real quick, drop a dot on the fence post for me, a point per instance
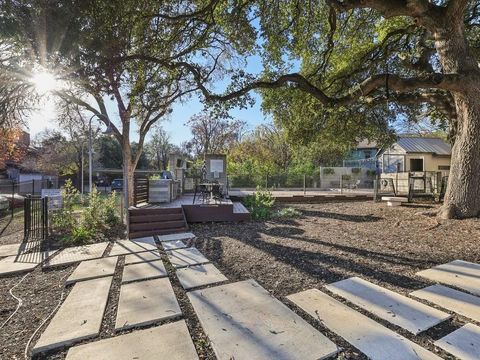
(33, 186)
(341, 183)
(375, 190)
(304, 184)
(13, 197)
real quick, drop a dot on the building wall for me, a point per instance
(430, 162)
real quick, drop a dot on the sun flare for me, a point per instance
(45, 82)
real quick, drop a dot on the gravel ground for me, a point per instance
(329, 242)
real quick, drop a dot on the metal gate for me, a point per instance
(35, 216)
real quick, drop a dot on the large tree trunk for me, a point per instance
(462, 199)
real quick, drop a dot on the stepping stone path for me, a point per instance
(186, 257)
(77, 254)
(142, 257)
(199, 275)
(92, 269)
(243, 321)
(371, 338)
(23, 263)
(146, 302)
(79, 317)
(170, 341)
(125, 247)
(463, 343)
(397, 309)
(144, 271)
(461, 274)
(172, 245)
(177, 236)
(457, 301)
(16, 249)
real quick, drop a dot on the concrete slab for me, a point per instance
(397, 309)
(170, 341)
(463, 343)
(77, 254)
(457, 301)
(199, 275)
(172, 245)
(23, 263)
(243, 321)
(145, 256)
(79, 317)
(144, 271)
(371, 338)
(93, 269)
(178, 236)
(125, 247)
(18, 248)
(186, 257)
(461, 274)
(146, 302)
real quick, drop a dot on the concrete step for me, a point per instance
(135, 234)
(154, 211)
(463, 343)
(371, 338)
(397, 309)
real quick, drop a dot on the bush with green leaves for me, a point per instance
(63, 220)
(260, 203)
(356, 171)
(328, 171)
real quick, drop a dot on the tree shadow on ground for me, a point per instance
(335, 267)
(342, 217)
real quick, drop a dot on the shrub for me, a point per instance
(356, 171)
(111, 217)
(81, 235)
(328, 171)
(346, 177)
(260, 203)
(63, 219)
(371, 173)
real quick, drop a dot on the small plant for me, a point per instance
(260, 203)
(64, 220)
(329, 171)
(288, 212)
(356, 171)
(371, 173)
(81, 235)
(346, 177)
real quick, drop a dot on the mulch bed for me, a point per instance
(334, 241)
(328, 243)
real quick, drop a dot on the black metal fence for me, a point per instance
(140, 190)
(35, 217)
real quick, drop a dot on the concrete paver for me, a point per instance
(79, 317)
(243, 321)
(373, 339)
(170, 341)
(145, 302)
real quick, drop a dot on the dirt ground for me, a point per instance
(328, 243)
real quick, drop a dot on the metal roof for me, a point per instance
(435, 146)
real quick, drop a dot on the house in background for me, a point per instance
(416, 154)
(364, 155)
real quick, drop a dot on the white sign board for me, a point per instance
(216, 165)
(55, 199)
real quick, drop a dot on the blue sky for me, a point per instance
(45, 116)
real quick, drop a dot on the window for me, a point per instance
(416, 164)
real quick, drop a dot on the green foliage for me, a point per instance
(260, 203)
(371, 173)
(99, 215)
(328, 171)
(356, 171)
(63, 220)
(346, 177)
(287, 212)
